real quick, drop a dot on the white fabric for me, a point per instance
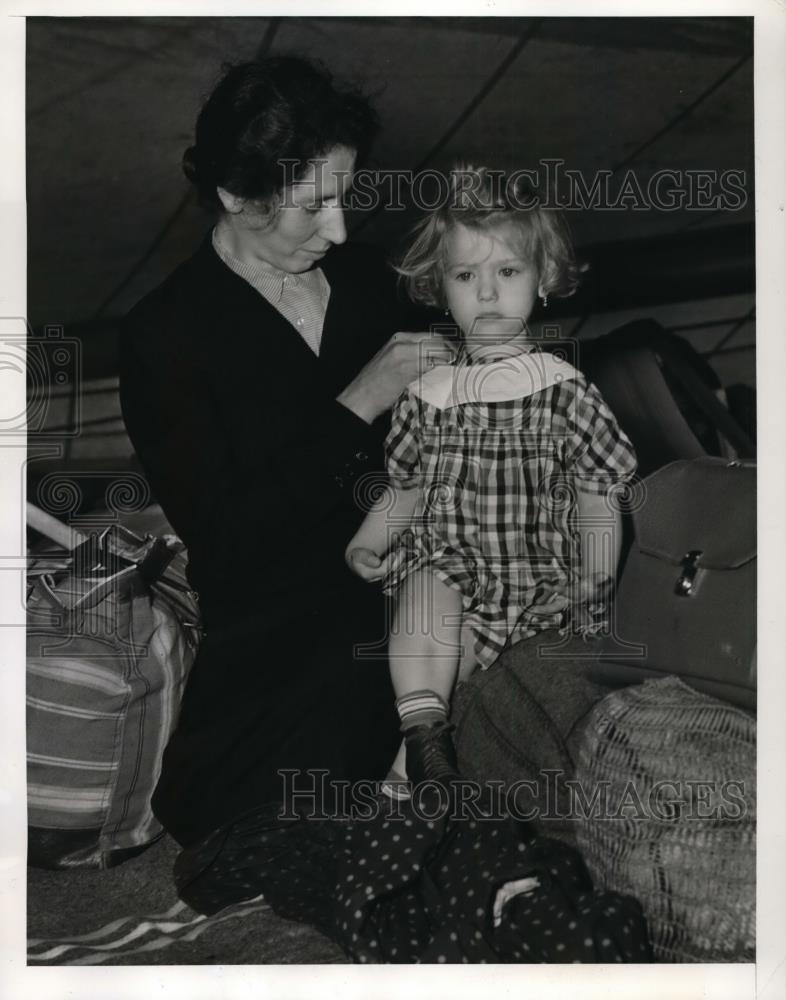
(511, 378)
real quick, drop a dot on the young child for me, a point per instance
(498, 523)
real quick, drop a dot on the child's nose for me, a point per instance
(487, 290)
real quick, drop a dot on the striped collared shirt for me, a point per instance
(301, 299)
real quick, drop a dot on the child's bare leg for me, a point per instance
(424, 661)
(424, 642)
(399, 767)
(467, 666)
(468, 661)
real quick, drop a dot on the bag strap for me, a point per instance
(56, 531)
(89, 600)
(152, 565)
(723, 421)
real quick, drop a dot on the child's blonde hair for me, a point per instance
(481, 198)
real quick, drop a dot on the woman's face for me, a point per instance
(490, 288)
(308, 222)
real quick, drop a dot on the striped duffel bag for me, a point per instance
(112, 630)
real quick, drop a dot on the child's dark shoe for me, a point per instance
(431, 755)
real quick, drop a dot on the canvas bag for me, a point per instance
(112, 630)
(686, 603)
(518, 721)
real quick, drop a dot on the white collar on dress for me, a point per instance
(515, 377)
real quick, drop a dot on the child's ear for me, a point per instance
(546, 280)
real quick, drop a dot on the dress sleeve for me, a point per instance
(599, 452)
(402, 447)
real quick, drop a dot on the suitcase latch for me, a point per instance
(685, 582)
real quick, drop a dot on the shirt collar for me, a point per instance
(270, 280)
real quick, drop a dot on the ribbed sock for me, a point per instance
(421, 708)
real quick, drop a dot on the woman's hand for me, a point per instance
(403, 358)
(367, 564)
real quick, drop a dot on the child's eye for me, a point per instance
(463, 276)
(508, 272)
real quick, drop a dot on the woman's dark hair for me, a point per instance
(265, 120)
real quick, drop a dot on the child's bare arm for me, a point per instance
(390, 515)
(600, 531)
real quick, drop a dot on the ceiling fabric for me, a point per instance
(111, 105)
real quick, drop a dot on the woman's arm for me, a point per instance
(398, 362)
(257, 482)
(253, 457)
(220, 464)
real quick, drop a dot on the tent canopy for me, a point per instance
(111, 104)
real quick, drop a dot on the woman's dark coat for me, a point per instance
(263, 474)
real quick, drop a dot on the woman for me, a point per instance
(253, 381)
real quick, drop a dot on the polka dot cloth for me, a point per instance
(399, 888)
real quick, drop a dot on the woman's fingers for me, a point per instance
(421, 351)
(398, 362)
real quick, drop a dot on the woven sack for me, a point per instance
(111, 634)
(687, 855)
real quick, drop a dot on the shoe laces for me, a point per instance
(434, 752)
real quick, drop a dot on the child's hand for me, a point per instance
(595, 589)
(586, 591)
(367, 564)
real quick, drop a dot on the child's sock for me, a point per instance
(418, 708)
(430, 754)
(421, 708)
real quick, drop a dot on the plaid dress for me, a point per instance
(498, 479)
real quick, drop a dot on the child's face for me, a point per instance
(490, 288)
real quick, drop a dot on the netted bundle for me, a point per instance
(673, 822)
